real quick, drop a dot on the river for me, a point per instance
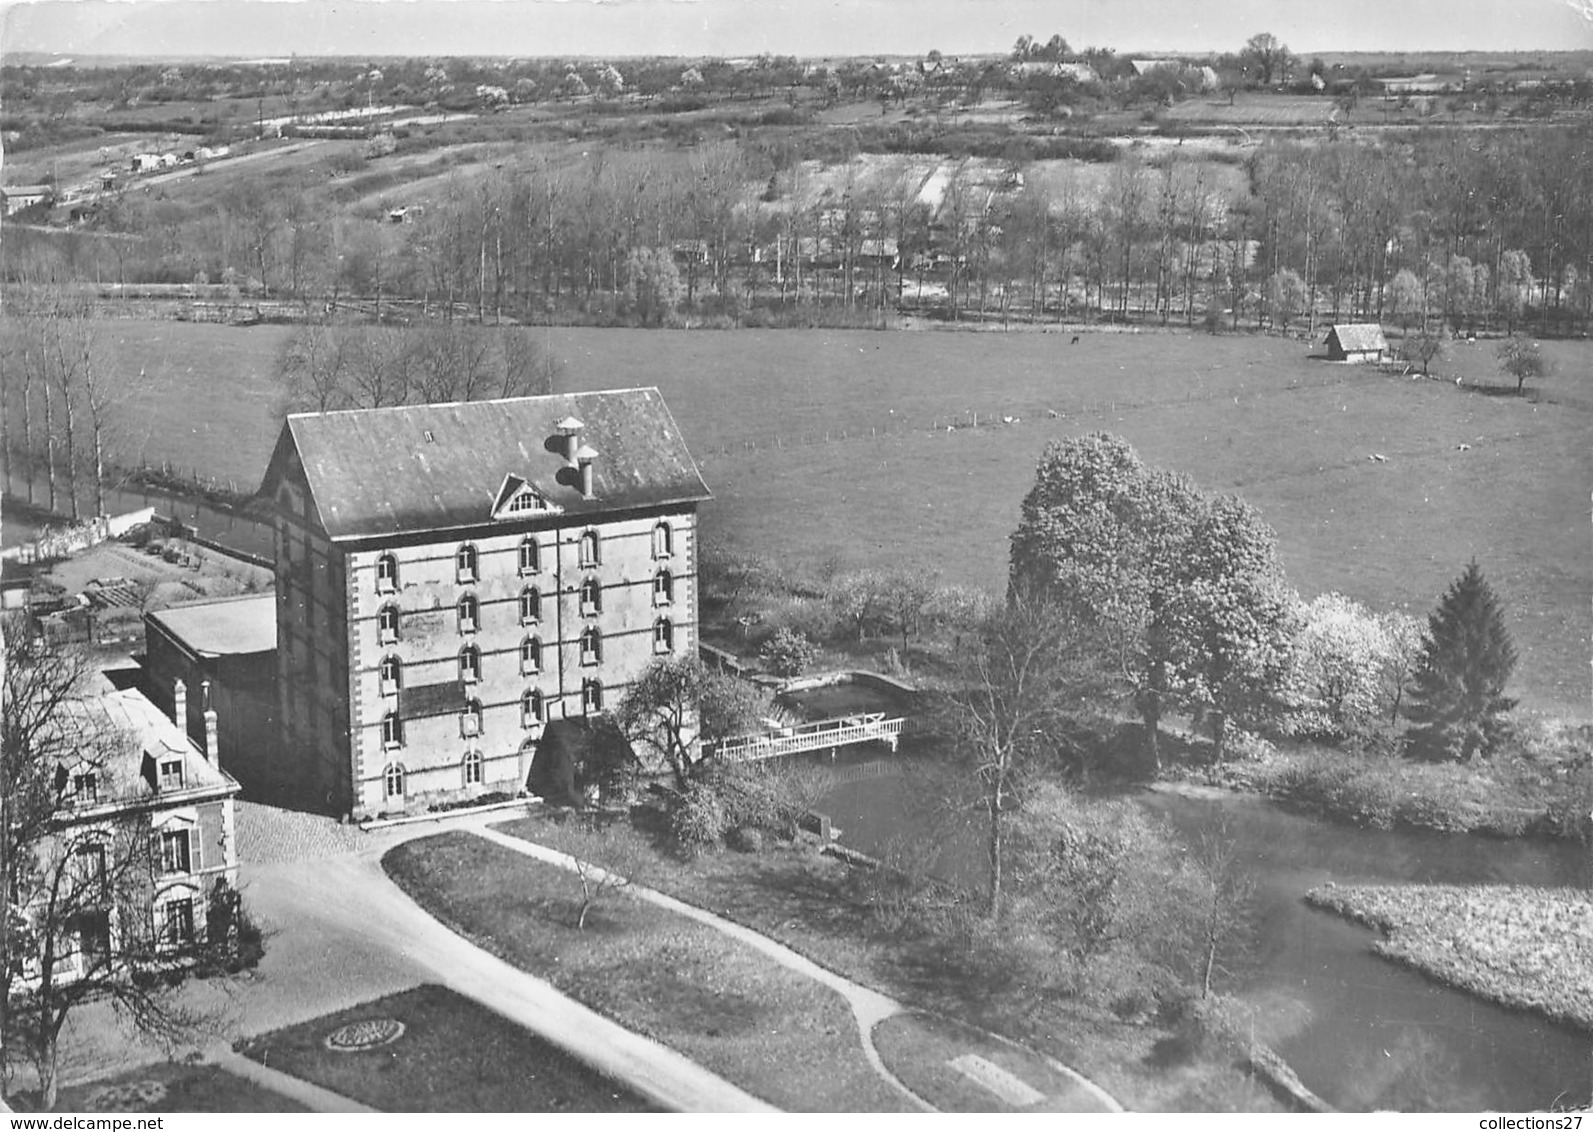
(1360, 1031)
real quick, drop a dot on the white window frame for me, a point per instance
(470, 665)
(394, 772)
(467, 563)
(591, 552)
(663, 636)
(530, 557)
(386, 573)
(468, 609)
(530, 606)
(474, 768)
(388, 619)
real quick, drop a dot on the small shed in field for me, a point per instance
(1357, 342)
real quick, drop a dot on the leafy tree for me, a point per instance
(1349, 667)
(1406, 297)
(788, 653)
(907, 596)
(1266, 57)
(652, 284)
(1522, 360)
(1423, 347)
(859, 599)
(678, 704)
(1458, 699)
(1286, 296)
(1513, 286)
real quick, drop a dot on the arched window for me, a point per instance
(663, 635)
(392, 730)
(591, 646)
(475, 767)
(531, 656)
(531, 707)
(393, 780)
(591, 696)
(470, 664)
(663, 541)
(591, 598)
(391, 674)
(386, 574)
(466, 563)
(530, 556)
(589, 548)
(469, 613)
(530, 606)
(663, 586)
(387, 624)
(470, 719)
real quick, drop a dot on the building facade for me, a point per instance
(451, 578)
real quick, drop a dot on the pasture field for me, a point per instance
(765, 412)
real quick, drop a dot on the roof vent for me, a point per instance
(584, 455)
(570, 429)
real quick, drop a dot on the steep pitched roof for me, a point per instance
(1357, 336)
(440, 467)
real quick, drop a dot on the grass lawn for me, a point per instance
(770, 1031)
(453, 1056)
(1529, 948)
(804, 899)
(172, 1087)
(1257, 415)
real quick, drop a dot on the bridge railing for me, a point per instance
(815, 736)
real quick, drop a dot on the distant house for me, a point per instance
(18, 197)
(144, 162)
(1357, 342)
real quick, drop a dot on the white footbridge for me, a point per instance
(818, 735)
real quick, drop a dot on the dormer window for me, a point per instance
(386, 574)
(530, 606)
(469, 613)
(530, 556)
(525, 501)
(589, 549)
(591, 598)
(663, 541)
(86, 788)
(466, 564)
(171, 774)
(663, 587)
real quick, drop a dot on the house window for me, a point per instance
(470, 719)
(589, 556)
(475, 768)
(469, 613)
(663, 541)
(466, 563)
(530, 556)
(171, 774)
(663, 635)
(88, 863)
(179, 922)
(663, 587)
(525, 501)
(591, 696)
(386, 574)
(530, 606)
(393, 780)
(591, 646)
(392, 730)
(391, 675)
(531, 707)
(387, 624)
(470, 664)
(531, 656)
(591, 598)
(86, 788)
(174, 851)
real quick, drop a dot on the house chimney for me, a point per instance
(211, 743)
(179, 701)
(204, 695)
(583, 458)
(570, 429)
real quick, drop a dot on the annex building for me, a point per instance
(451, 578)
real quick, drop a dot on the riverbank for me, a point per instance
(1521, 947)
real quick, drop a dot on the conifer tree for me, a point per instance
(1458, 700)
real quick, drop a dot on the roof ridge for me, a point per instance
(487, 401)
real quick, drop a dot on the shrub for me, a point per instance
(789, 653)
(745, 839)
(697, 818)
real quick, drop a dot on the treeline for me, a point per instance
(1472, 229)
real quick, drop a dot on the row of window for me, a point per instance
(467, 559)
(395, 776)
(177, 851)
(533, 711)
(390, 617)
(390, 671)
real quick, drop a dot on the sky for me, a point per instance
(262, 28)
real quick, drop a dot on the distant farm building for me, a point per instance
(18, 197)
(1357, 342)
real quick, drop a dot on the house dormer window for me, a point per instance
(470, 664)
(525, 501)
(663, 586)
(466, 564)
(591, 598)
(663, 541)
(530, 606)
(386, 574)
(171, 774)
(387, 624)
(530, 556)
(86, 788)
(469, 613)
(589, 549)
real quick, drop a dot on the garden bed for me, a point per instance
(173, 1087)
(1526, 948)
(450, 1055)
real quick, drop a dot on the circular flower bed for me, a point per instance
(369, 1034)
